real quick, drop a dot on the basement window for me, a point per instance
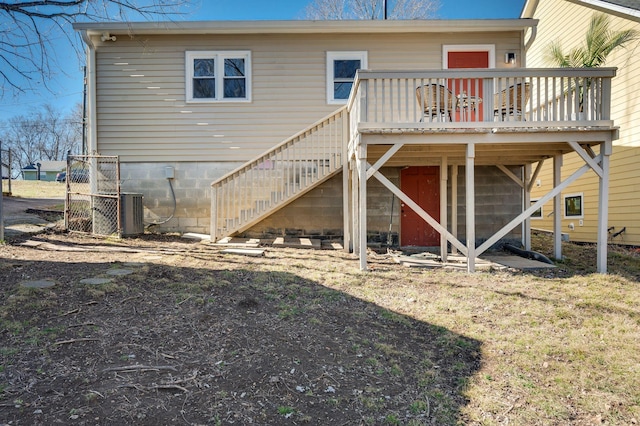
(538, 213)
(573, 206)
(341, 72)
(223, 76)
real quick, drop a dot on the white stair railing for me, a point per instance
(245, 196)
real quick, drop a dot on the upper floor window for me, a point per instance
(341, 71)
(218, 76)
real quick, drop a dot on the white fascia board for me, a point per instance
(608, 7)
(305, 27)
(529, 8)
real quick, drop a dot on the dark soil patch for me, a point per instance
(196, 337)
(47, 214)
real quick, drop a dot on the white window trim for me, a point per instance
(220, 56)
(564, 205)
(341, 55)
(491, 48)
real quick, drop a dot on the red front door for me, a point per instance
(470, 109)
(422, 185)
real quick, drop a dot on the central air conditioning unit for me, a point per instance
(105, 209)
(132, 215)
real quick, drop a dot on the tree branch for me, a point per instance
(31, 27)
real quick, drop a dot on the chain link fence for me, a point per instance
(93, 203)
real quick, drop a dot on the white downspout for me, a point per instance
(92, 142)
(532, 38)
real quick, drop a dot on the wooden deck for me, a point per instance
(563, 111)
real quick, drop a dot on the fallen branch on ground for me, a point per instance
(153, 387)
(138, 367)
(83, 339)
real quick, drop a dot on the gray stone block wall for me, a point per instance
(191, 186)
(498, 200)
(318, 213)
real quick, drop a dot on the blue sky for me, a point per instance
(292, 9)
(66, 88)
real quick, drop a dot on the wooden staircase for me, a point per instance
(257, 189)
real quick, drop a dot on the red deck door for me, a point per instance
(422, 185)
(470, 59)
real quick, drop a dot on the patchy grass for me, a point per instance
(35, 189)
(303, 337)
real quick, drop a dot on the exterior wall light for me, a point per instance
(510, 58)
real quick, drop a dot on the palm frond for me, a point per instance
(600, 41)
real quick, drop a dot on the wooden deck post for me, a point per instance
(355, 225)
(213, 226)
(346, 232)
(557, 208)
(603, 207)
(444, 172)
(526, 202)
(454, 204)
(362, 203)
(471, 207)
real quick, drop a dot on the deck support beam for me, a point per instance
(526, 202)
(346, 176)
(444, 172)
(603, 206)
(535, 206)
(535, 175)
(362, 203)
(346, 208)
(454, 204)
(363, 170)
(213, 226)
(470, 206)
(557, 208)
(355, 227)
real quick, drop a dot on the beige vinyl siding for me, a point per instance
(624, 188)
(145, 117)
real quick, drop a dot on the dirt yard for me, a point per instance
(161, 330)
(185, 335)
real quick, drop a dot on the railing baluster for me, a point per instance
(498, 100)
(523, 98)
(475, 111)
(286, 188)
(374, 98)
(540, 89)
(296, 165)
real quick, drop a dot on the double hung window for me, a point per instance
(341, 72)
(218, 76)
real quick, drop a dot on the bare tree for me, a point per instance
(371, 9)
(42, 135)
(32, 30)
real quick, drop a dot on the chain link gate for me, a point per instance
(93, 203)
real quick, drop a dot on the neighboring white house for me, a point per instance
(439, 117)
(580, 200)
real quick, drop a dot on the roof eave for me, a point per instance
(529, 9)
(612, 8)
(304, 27)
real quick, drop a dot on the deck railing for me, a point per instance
(412, 101)
(480, 98)
(246, 195)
